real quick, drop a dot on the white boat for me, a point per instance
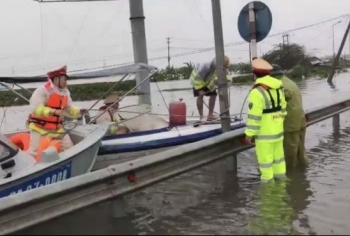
(120, 148)
(21, 172)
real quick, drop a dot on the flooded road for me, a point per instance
(212, 201)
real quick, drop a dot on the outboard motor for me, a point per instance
(84, 119)
(70, 123)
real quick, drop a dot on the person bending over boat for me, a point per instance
(294, 123)
(48, 104)
(266, 113)
(111, 115)
(203, 80)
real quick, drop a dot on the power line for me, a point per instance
(194, 40)
(80, 28)
(213, 48)
(210, 48)
(231, 44)
(52, 65)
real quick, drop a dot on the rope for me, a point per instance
(126, 94)
(42, 37)
(220, 114)
(228, 107)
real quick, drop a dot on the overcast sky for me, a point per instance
(37, 37)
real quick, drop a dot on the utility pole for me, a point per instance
(349, 46)
(250, 54)
(219, 55)
(231, 161)
(285, 39)
(137, 20)
(335, 61)
(333, 53)
(168, 42)
(333, 38)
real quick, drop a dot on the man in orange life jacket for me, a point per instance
(48, 104)
(111, 115)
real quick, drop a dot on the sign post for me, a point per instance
(254, 24)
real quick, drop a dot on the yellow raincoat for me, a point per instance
(265, 124)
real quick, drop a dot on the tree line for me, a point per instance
(292, 58)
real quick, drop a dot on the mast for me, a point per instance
(137, 20)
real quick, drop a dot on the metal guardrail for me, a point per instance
(27, 209)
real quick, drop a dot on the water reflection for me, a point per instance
(280, 207)
(299, 190)
(275, 214)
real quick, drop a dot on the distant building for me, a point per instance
(315, 61)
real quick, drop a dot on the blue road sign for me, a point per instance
(263, 21)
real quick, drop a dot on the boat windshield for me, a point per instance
(4, 152)
(7, 143)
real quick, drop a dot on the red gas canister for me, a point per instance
(177, 113)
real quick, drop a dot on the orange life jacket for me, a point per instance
(55, 101)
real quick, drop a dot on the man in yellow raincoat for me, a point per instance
(294, 123)
(111, 115)
(49, 103)
(266, 113)
(203, 80)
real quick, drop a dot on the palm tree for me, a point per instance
(190, 65)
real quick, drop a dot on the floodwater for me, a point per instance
(212, 201)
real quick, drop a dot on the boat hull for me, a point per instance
(128, 147)
(76, 161)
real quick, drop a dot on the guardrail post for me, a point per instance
(118, 207)
(231, 163)
(336, 121)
